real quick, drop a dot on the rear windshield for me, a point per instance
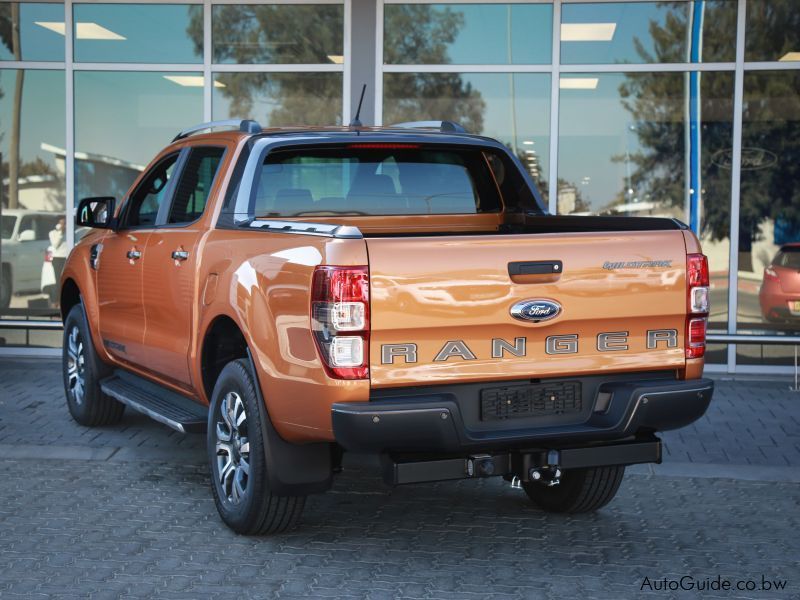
(375, 179)
(788, 257)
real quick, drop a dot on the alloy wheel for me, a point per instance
(76, 365)
(233, 448)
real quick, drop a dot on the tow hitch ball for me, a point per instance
(549, 474)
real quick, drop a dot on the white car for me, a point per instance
(24, 241)
(49, 284)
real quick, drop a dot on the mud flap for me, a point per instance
(292, 469)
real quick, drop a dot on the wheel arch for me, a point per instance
(222, 342)
(69, 296)
(293, 469)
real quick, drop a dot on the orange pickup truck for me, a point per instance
(297, 293)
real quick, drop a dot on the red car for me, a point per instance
(780, 290)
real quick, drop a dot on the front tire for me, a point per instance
(236, 451)
(580, 490)
(83, 371)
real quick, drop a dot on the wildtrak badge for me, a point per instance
(611, 341)
(637, 264)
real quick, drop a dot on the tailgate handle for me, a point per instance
(535, 267)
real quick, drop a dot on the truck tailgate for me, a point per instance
(449, 297)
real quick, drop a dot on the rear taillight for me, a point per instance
(340, 320)
(48, 255)
(697, 304)
(770, 274)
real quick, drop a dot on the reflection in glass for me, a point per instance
(31, 31)
(279, 99)
(772, 31)
(513, 108)
(631, 154)
(467, 33)
(122, 119)
(648, 32)
(32, 141)
(278, 33)
(154, 33)
(769, 215)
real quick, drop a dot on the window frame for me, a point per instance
(162, 218)
(162, 221)
(125, 212)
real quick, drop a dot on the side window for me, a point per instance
(46, 224)
(194, 185)
(146, 200)
(26, 223)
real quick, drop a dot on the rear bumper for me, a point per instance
(445, 419)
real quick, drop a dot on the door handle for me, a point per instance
(180, 254)
(134, 254)
(535, 271)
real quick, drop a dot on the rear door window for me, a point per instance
(375, 179)
(194, 185)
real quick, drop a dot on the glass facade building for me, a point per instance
(683, 108)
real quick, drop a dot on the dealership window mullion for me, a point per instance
(736, 167)
(69, 101)
(555, 94)
(208, 83)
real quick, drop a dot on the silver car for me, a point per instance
(24, 241)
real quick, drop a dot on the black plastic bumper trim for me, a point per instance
(433, 422)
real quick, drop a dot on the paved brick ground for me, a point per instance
(755, 422)
(90, 528)
(134, 517)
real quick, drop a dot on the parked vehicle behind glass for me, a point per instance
(25, 237)
(780, 289)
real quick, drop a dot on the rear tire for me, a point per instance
(580, 490)
(83, 371)
(236, 452)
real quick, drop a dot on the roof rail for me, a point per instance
(443, 126)
(245, 125)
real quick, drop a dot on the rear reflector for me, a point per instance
(696, 338)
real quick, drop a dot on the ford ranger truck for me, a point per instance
(297, 293)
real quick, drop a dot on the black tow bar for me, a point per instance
(541, 465)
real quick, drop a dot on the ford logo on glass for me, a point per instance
(535, 310)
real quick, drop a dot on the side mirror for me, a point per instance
(28, 235)
(95, 212)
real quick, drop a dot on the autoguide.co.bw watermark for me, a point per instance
(715, 584)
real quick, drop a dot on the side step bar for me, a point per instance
(398, 470)
(158, 403)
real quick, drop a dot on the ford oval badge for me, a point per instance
(535, 310)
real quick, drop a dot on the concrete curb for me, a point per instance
(720, 471)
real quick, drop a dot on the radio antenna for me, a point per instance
(356, 122)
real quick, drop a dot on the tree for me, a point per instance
(771, 113)
(420, 34)
(10, 38)
(313, 34)
(278, 34)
